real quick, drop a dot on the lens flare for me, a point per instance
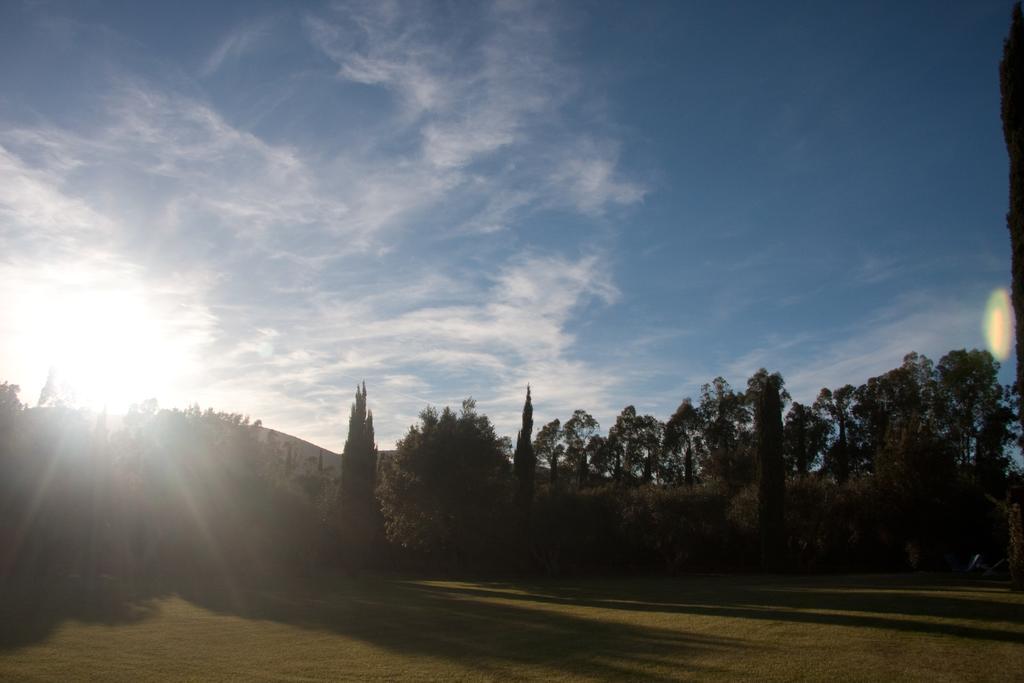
(999, 324)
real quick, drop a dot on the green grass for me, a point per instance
(876, 628)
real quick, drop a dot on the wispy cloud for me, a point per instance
(829, 358)
(590, 180)
(235, 44)
(306, 271)
(515, 331)
(35, 213)
(469, 91)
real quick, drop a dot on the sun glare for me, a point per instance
(999, 324)
(104, 342)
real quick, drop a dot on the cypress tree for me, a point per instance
(771, 472)
(1011, 86)
(359, 507)
(524, 461)
(1011, 71)
(1015, 511)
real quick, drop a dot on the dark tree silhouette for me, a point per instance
(725, 427)
(649, 435)
(524, 460)
(682, 433)
(724, 414)
(886, 403)
(796, 435)
(577, 432)
(622, 442)
(970, 398)
(548, 446)
(1011, 82)
(766, 392)
(1015, 511)
(446, 488)
(359, 509)
(836, 406)
(806, 434)
(599, 455)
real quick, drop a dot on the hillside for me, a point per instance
(300, 448)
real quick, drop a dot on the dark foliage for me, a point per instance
(174, 492)
(901, 472)
(446, 493)
(1011, 86)
(766, 392)
(1015, 514)
(682, 436)
(524, 460)
(549, 448)
(361, 521)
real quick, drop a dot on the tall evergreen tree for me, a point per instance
(1011, 85)
(770, 467)
(359, 509)
(524, 460)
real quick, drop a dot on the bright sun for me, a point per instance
(102, 337)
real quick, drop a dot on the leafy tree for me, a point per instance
(889, 402)
(682, 435)
(547, 445)
(766, 393)
(993, 464)
(524, 461)
(445, 488)
(970, 398)
(725, 418)
(649, 436)
(10, 409)
(622, 441)
(638, 442)
(724, 414)
(577, 433)
(916, 478)
(599, 456)
(9, 401)
(806, 435)
(836, 407)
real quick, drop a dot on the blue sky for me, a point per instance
(256, 205)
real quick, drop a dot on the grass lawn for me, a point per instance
(875, 628)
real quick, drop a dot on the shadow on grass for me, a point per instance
(921, 604)
(583, 628)
(405, 617)
(31, 610)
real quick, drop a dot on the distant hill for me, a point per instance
(303, 450)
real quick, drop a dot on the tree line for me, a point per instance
(906, 470)
(903, 471)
